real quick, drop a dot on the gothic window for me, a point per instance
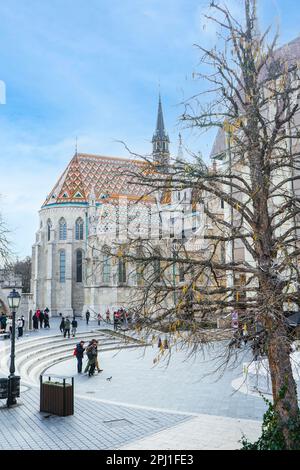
(62, 266)
(48, 230)
(62, 229)
(79, 266)
(122, 271)
(79, 229)
(106, 269)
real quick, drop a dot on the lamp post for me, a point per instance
(13, 381)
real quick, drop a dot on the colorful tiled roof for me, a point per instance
(106, 177)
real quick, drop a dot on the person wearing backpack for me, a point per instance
(78, 352)
(67, 327)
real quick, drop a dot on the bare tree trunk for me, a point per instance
(283, 385)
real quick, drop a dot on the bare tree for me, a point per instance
(256, 109)
(23, 268)
(5, 250)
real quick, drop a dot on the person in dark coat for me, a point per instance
(74, 327)
(91, 352)
(87, 317)
(62, 324)
(67, 328)
(3, 322)
(46, 320)
(79, 355)
(41, 319)
(35, 322)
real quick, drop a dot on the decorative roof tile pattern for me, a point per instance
(106, 177)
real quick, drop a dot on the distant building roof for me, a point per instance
(105, 178)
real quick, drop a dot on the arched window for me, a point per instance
(122, 271)
(79, 229)
(79, 265)
(106, 269)
(62, 229)
(62, 266)
(49, 225)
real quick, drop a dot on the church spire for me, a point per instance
(160, 139)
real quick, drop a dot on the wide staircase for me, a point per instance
(35, 356)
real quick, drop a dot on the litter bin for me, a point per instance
(15, 386)
(57, 395)
(3, 388)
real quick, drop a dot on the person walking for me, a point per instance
(35, 322)
(108, 316)
(3, 322)
(46, 320)
(116, 321)
(38, 313)
(62, 324)
(91, 352)
(245, 333)
(41, 318)
(96, 342)
(20, 327)
(74, 327)
(67, 327)
(87, 316)
(23, 321)
(99, 318)
(79, 350)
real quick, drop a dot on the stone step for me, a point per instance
(34, 348)
(33, 373)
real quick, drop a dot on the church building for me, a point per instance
(86, 210)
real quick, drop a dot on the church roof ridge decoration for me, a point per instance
(104, 174)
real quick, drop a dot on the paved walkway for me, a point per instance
(202, 432)
(181, 406)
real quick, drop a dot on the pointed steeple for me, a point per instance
(160, 139)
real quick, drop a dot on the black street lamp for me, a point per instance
(13, 381)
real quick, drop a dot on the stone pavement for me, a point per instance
(200, 433)
(94, 425)
(181, 406)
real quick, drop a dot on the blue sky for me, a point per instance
(91, 68)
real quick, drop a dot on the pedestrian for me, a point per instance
(78, 352)
(38, 313)
(62, 324)
(67, 327)
(3, 322)
(116, 321)
(20, 327)
(245, 334)
(9, 324)
(23, 321)
(99, 318)
(97, 360)
(46, 320)
(91, 353)
(41, 318)
(107, 316)
(35, 322)
(74, 327)
(87, 316)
